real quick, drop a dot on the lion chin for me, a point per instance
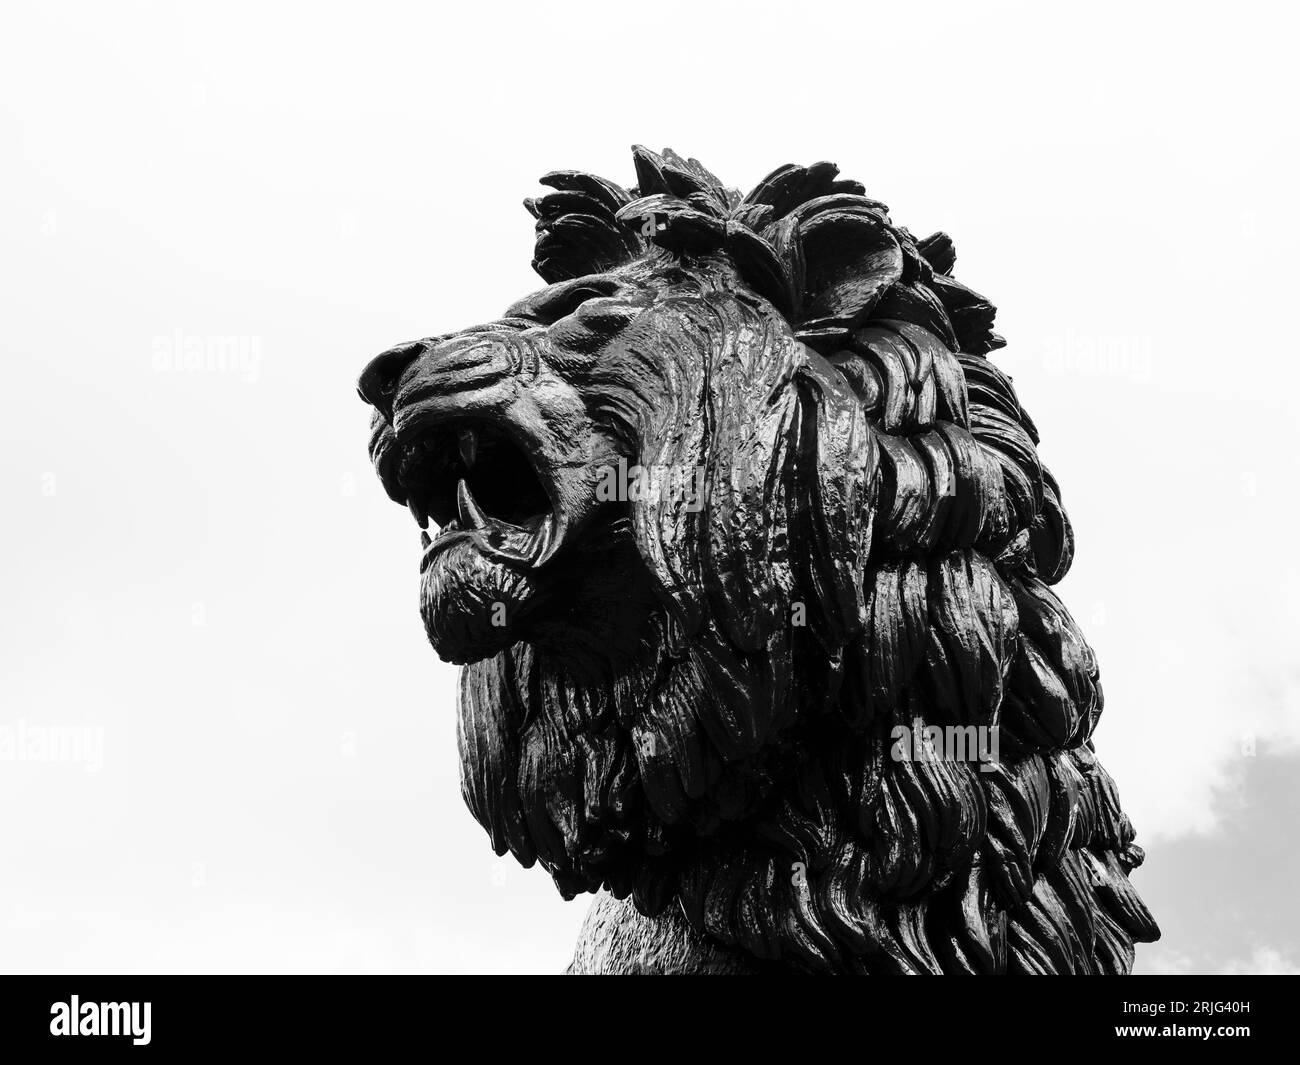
(470, 604)
(716, 523)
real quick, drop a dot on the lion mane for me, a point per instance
(700, 719)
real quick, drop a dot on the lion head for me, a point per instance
(725, 513)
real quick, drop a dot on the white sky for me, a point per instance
(278, 784)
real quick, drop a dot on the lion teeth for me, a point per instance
(417, 514)
(470, 515)
(468, 439)
(543, 544)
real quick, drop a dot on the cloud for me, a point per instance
(1225, 898)
(1264, 960)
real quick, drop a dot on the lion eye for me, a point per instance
(607, 316)
(591, 326)
(560, 301)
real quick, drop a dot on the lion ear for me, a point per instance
(841, 256)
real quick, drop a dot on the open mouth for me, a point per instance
(473, 482)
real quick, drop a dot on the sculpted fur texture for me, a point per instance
(726, 511)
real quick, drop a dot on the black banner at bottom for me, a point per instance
(163, 1014)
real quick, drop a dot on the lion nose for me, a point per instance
(377, 384)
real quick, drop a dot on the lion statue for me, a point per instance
(739, 536)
